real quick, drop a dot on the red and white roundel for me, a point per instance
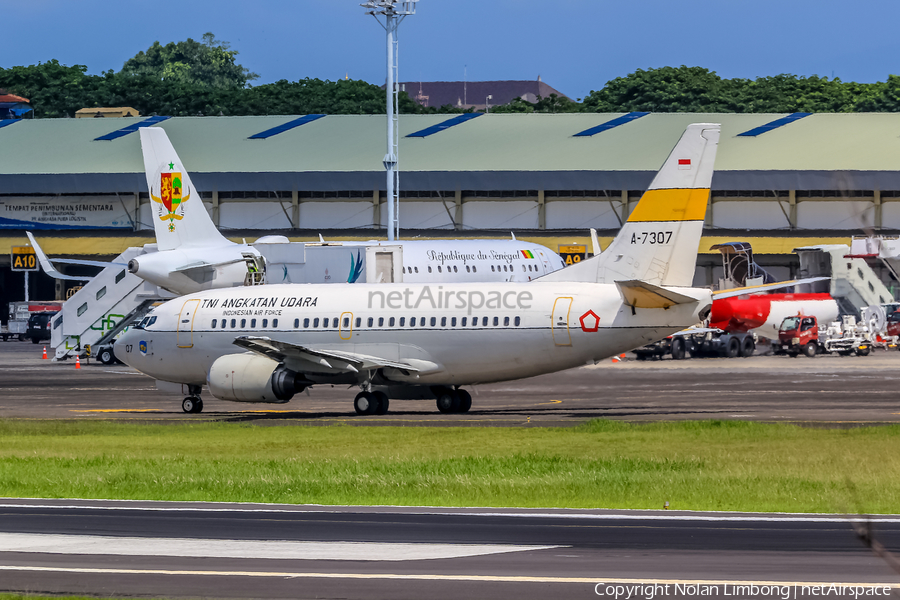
(589, 321)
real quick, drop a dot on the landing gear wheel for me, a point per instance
(465, 401)
(678, 352)
(733, 348)
(106, 356)
(448, 402)
(383, 403)
(365, 403)
(748, 347)
(810, 349)
(192, 404)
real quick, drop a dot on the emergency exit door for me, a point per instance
(560, 317)
(185, 331)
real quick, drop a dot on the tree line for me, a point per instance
(203, 78)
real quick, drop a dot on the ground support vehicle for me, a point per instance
(846, 337)
(38, 329)
(801, 335)
(701, 343)
(20, 313)
(798, 335)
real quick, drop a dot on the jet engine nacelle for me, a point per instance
(252, 378)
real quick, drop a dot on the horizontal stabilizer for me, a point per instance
(329, 361)
(204, 266)
(755, 289)
(640, 294)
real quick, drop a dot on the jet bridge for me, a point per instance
(105, 306)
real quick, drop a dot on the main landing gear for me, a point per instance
(192, 404)
(371, 403)
(454, 401)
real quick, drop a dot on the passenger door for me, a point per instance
(184, 335)
(560, 321)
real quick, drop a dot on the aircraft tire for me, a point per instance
(810, 349)
(192, 404)
(106, 356)
(448, 402)
(383, 403)
(465, 401)
(678, 352)
(365, 403)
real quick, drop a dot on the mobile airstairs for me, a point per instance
(853, 284)
(90, 320)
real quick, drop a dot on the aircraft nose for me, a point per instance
(124, 347)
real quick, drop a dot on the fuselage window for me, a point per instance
(243, 323)
(505, 269)
(381, 321)
(233, 323)
(474, 321)
(443, 321)
(523, 267)
(455, 269)
(468, 269)
(296, 323)
(484, 321)
(358, 322)
(316, 322)
(474, 269)
(306, 323)
(274, 322)
(334, 322)
(429, 269)
(253, 323)
(412, 321)
(439, 268)
(417, 269)
(518, 321)
(453, 322)
(371, 321)
(496, 321)
(265, 323)
(391, 322)
(492, 268)
(462, 322)
(214, 324)
(506, 321)
(346, 322)
(224, 323)
(402, 321)
(433, 321)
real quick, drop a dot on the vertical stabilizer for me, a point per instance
(179, 217)
(659, 242)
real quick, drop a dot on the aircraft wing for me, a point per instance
(753, 289)
(640, 294)
(328, 361)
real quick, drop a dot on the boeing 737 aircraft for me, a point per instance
(265, 344)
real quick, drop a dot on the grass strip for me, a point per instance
(710, 465)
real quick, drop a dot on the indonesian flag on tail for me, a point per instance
(684, 164)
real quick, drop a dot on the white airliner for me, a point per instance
(265, 344)
(194, 256)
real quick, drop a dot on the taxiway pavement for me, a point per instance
(825, 390)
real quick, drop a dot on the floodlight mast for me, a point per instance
(393, 11)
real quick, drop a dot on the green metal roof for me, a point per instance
(496, 151)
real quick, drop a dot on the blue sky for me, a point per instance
(574, 45)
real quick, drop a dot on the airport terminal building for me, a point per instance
(781, 181)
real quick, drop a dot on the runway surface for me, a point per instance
(825, 390)
(155, 549)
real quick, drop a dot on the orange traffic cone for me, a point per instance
(45, 353)
(77, 363)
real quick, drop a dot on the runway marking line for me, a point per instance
(633, 516)
(437, 577)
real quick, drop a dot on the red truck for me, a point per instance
(798, 335)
